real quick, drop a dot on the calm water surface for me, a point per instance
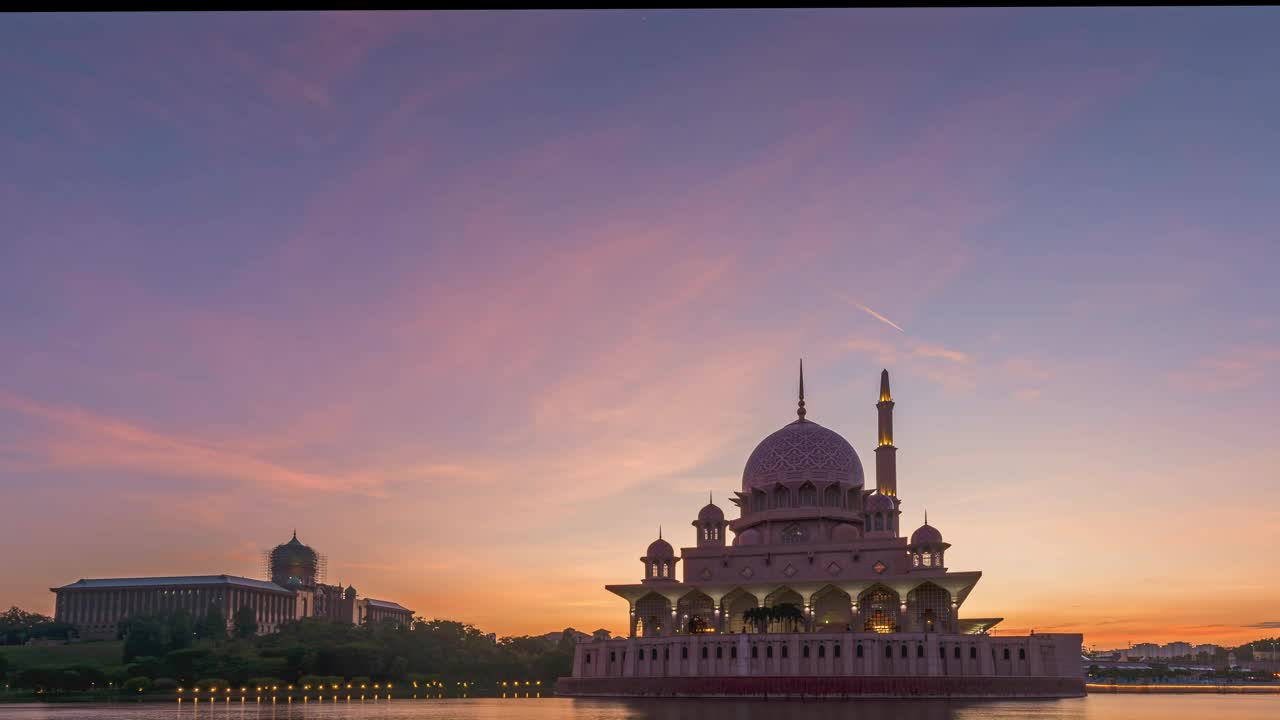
(1096, 707)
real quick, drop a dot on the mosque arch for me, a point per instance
(831, 496)
(759, 500)
(832, 609)
(734, 605)
(808, 495)
(696, 612)
(929, 608)
(878, 608)
(782, 497)
(653, 615)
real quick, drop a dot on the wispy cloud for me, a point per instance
(1267, 625)
(83, 439)
(929, 350)
(880, 317)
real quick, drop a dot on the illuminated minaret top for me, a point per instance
(886, 462)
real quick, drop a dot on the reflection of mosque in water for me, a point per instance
(817, 582)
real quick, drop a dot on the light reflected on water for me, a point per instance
(1095, 707)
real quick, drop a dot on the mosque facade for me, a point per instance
(814, 589)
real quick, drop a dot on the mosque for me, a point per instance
(295, 589)
(819, 593)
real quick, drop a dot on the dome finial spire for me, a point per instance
(295, 533)
(800, 407)
(926, 516)
(659, 532)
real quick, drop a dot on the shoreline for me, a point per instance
(1177, 688)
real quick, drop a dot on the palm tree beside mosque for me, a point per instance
(784, 617)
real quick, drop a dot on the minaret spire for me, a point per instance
(800, 407)
(886, 453)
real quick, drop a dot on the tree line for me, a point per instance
(168, 650)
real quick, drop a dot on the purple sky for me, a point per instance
(477, 300)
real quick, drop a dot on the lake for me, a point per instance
(1095, 707)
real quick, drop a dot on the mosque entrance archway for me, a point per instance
(878, 608)
(788, 609)
(929, 608)
(696, 612)
(653, 615)
(735, 605)
(832, 610)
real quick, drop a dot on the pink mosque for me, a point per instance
(819, 593)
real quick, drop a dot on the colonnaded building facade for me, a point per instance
(819, 593)
(295, 589)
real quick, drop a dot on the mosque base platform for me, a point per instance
(824, 687)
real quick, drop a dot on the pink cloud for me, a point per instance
(80, 439)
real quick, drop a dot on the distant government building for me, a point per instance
(818, 594)
(295, 590)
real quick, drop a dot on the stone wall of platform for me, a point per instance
(813, 687)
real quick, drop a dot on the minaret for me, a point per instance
(886, 462)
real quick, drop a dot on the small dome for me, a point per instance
(845, 532)
(926, 535)
(750, 536)
(711, 513)
(350, 592)
(879, 503)
(660, 548)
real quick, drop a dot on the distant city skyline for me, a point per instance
(483, 298)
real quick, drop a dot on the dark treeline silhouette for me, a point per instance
(165, 651)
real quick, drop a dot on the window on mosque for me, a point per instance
(879, 521)
(1022, 653)
(942, 652)
(719, 652)
(835, 650)
(704, 653)
(733, 652)
(888, 651)
(782, 498)
(784, 651)
(666, 653)
(904, 651)
(973, 653)
(927, 560)
(1006, 653)
(822, 651)
(808, 496)
(768, 651)
(684, 653)
(612, 656)
(805, 652)
(793, 534)
(956, 654)
(919, 651)
(755, 651)
(858, 652)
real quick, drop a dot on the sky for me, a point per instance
(476, 301)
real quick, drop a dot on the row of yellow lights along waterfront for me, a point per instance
(226, 692)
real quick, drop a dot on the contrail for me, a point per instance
(879, 317)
